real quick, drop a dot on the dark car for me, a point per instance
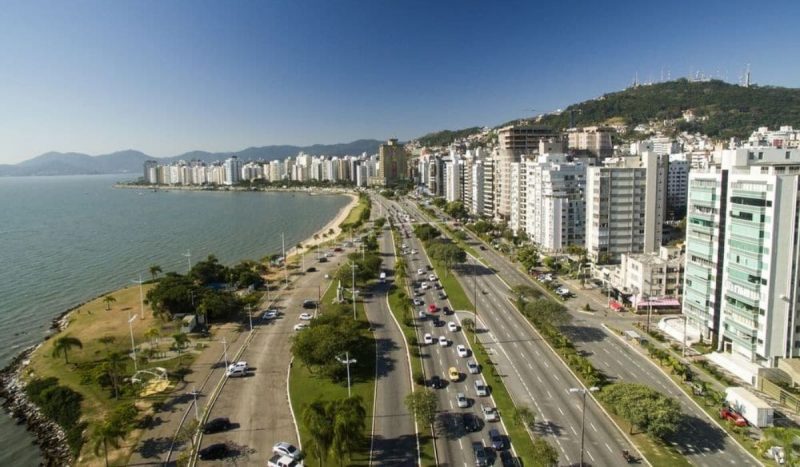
(338, 249)
(471, 423)
(436, 382)
(507, 460)
(446, 310)
(481, 458)
(482, 247)
(498, 443)
(311, 269)
(216, 425)
(215, 451)
(323, 260)
(309, 304)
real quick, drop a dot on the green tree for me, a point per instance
(208, 271)
(786, 438)
(113, 367)
(103, 435)
(188, 431)
(63, 344)
(456, 209)
(469, 324)
(348, 426)
(108, 300)
(153, 334)
(525, 417)
(644, 407)
(317, 418)
(544, 453)
(181, 341)
(423, 403)
(155, 270)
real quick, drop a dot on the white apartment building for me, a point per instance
(233, 170)
(742, 257)
(453, 179)
(677, 186)
(476, 207)
(625, 206)
(784, 137)
(652, 275)
(556, 207)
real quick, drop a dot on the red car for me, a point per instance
(733, 416)
(432, 308)
(338, 250)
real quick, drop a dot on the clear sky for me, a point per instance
(166, 76)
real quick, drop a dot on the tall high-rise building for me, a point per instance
(392, 163)
(233, 170)
(742, 256)
(556, 207)
(593, 140)
(151, 172)
(625, 206)
(677, 186)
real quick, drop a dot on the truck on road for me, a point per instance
(757, 412)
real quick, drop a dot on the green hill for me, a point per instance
(731, 110)
(445, 137)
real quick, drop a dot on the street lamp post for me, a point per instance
(196, 411)
(475, 301)
(250, 315)
(188, 256)
(133, 345)
(141, 295)
(583, 411)
(283, 252)
(225, 351)
(347, 361)
(354, 266)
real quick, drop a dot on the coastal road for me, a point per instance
(453, 442)
(394, 436)
(699, 439)
(259, 402)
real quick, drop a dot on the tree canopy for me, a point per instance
(644, 407)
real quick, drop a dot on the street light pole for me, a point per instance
(583, 412)
(347, 361)
(133, 345)
(196, 411)
(353, 288)
(188, 256)
(141, 295)
(225, 351)
(250, 316)
(475, 300)
(283, 252)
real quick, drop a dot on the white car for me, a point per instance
(490, 413)
(443, 341)
(420, 272)
(473, 367)
(462, 351)
(306, 316)
(427, 338)
(285, 449)
(413, 252)
(300, 326)
(431, 278)
(461, 400)
(481, 389)
(269, 314)
(418, 302)
(452, 327)
(424, 286)
(237, 365)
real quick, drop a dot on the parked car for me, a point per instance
(508, 460)
(286, 449)
(480, 388)
(489, 413)
(431, 277)
(269, 314)
(338, 249)
(323, 260)
(443, 341)
(214, 452)
(453, 374)
(452, 327)
(473, 367)
(309, 304)
(446, 310)
(498, 443)
(483, 248)
(216, 425)
(418, 302)
(461, 400)
(311, 269)
(432, 308)
(306, 316)
(481, 458)
(462, 351)
(427, 338)
(732, 416)
(300, 326)
(424, 286)
(420, 272)
(442, 295)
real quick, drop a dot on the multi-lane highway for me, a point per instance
(394, 436)
(700, 440)
(454, 442)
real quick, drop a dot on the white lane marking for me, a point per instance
(590, 455)
(556, 377)
(540, 379)
(609, 448)
(573, 430)
(549, 395)
(561, 410)
(593, 427)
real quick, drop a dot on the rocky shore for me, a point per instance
(50, 438)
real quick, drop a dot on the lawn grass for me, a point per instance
(355, 213)
(90, 322)
(305, 388)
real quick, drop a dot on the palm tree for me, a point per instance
(348, 426)
(107, 340)
(786, 438)
(317, 419)
(113, 366)
(155, 270)
(63, 344)
(468, 324)
(152, 334)
(108, 300)
(103, 435)
(181, 340)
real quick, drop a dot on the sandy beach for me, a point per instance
(332, 225)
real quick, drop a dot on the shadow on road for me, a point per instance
(580, 334)
(154, 447)
(696, 435)
(400, 451)
(385, 364)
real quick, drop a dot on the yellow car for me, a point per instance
(453, 374)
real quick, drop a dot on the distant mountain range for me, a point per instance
(130, 161)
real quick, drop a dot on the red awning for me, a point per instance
(659, 302)
(615, 305)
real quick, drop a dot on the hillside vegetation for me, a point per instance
(731, 110)
(445, 137)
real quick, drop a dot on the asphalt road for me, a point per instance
(453, 443)
(699, 440)
(394, 437)
(259, 403)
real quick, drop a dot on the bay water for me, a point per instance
(65, 240)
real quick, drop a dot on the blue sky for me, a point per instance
(166, 77)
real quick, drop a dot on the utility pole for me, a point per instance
(583, 412)
(353, 288)
(188, 256)
(283, 252)
(225, 351)
(250, 315)
(141, 295)
(475, 293)
(347, 361)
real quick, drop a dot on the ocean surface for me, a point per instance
(64, 240)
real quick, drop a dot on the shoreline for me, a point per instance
(49, 436)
